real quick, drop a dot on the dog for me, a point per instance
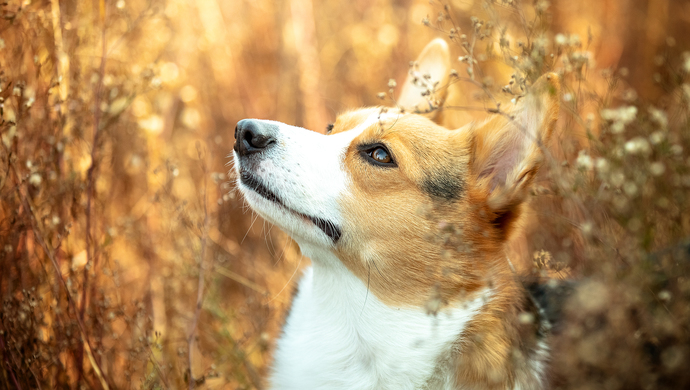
(406, 224)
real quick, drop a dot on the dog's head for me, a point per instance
(407, 205)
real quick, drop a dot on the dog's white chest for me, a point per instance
(339, 336)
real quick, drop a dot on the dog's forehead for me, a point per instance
(420, 138)
(377, 122)
(355, 119)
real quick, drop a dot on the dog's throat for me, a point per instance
(328, 227)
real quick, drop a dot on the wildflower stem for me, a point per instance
(38, 233)
(200, 288)
(90, 252)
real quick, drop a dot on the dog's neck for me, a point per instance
(339, 335)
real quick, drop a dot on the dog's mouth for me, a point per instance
(327, 227)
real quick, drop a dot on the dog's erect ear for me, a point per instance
(425, 87)
(507, 153)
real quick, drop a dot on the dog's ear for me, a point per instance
(425, 87)
(507, 151)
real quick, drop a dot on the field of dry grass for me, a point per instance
(127, 260)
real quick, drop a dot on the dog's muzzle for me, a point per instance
(252, 138)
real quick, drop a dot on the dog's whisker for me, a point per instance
(299, 263)
(368, 281)
(282, 253)
(254, 218)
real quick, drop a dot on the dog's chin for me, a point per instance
(299, 226)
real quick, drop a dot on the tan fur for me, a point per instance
(426, 242)
(416, 244)
(412, 247)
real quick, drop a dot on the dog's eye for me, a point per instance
(379, 155)
(329, 128)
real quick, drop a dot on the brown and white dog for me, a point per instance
(406, 223)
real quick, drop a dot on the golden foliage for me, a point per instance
(118, 220)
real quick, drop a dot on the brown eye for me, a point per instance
(377, 154)
(381, 155)
(329, 128)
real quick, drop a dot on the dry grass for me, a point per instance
(127, 260)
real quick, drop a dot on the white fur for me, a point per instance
(340, 336)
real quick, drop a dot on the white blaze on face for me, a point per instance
(305, 170)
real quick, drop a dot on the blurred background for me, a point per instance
(127, 257)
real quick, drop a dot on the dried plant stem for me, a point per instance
(90, 253)
(63, 59)
(304, 28)
(466, 108)
(38, 233)
(19, 351)
(6, 361)
(242, 280)
(158, 368)
(200, 288)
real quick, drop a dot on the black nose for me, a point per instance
(253, 136)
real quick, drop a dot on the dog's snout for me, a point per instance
(253, 136)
